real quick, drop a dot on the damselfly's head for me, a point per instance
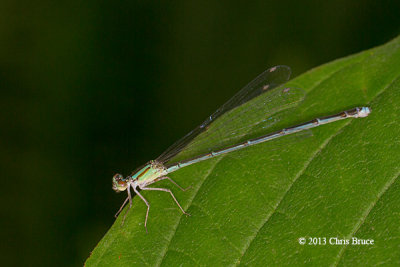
(119, 183)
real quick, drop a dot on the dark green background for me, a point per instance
(90, 88)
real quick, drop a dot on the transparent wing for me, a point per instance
(239, 119)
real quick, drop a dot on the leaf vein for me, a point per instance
(317, 151)
(365, 215)
(164, 253)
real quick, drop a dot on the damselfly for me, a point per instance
(237, 118)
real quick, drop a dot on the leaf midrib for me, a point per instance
(362, 219)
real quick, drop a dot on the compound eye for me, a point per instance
(119, 184)
(118, 177)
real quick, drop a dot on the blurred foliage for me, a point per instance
(97, 87)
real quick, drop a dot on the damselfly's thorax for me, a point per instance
(143, 175)
(152, 170)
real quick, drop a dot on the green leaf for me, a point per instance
(250, 207)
